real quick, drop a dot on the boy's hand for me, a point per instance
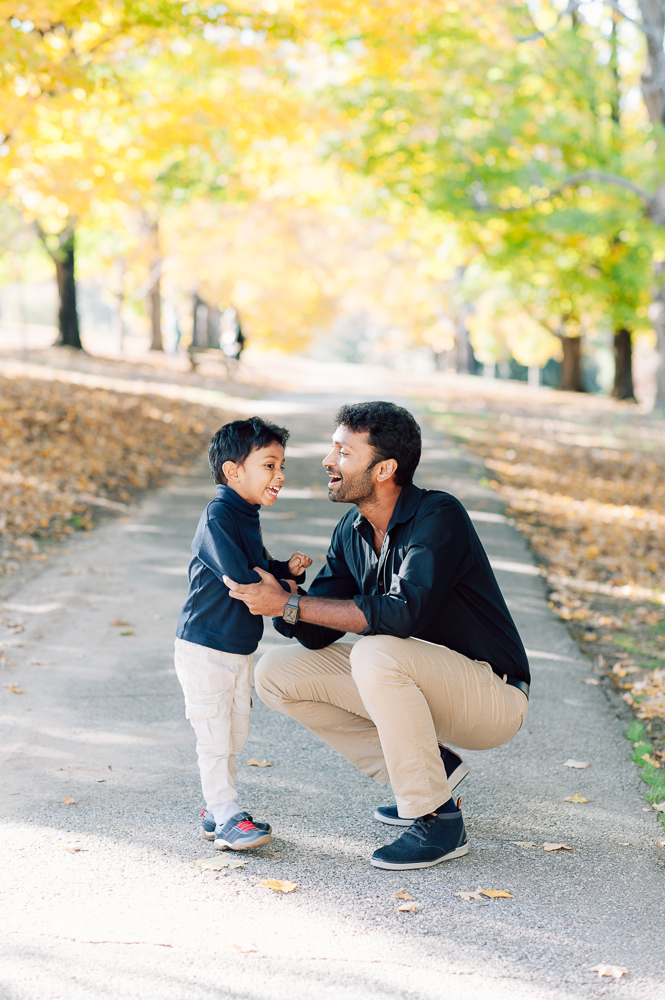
(298, 563)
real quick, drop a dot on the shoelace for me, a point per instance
(420, 828)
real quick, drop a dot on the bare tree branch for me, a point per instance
(570, 9)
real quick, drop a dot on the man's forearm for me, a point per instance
(345, 616)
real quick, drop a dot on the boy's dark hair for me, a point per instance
(234, 442)
(393, 433)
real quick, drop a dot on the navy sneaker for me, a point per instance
(428, 841)
(239, 833)
(208, 825)
(456, 770)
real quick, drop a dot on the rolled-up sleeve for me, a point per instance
(437, 554)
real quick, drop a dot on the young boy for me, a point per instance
(217, 636)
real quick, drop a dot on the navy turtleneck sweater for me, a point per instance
(227, 542)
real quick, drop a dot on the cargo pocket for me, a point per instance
(211, 725)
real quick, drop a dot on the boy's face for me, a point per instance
(261, 476)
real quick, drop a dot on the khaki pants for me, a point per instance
(218, 694)
(384, 702)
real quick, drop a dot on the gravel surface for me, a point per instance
(130, 915)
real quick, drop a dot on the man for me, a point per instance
(440, 658)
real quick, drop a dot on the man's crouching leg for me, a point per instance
(315, 687)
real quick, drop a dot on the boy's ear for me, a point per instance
(230, 470)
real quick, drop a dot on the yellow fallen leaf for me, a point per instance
(118, 622)
(127, 632)
(468, 896)
(589, 680)
(575, 763)
(577, 798)
(15, 689)
(408, 907)
(73, 850)
(523, 843)
(70, 802)
(660, 843)
(496, 893)
(558, 847)
(617, 971)
(645, 756)
(258, 763)
(224, 860)
(246, 948)
(402, 894)
(658, 806)
(279, 885)
(590, 637)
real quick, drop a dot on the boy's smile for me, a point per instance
(261, 476)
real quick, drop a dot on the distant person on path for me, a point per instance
(217, 637)
(231, 339)
(440, 659)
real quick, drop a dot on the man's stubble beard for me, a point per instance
(360, 489)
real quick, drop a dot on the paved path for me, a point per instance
(131, 916)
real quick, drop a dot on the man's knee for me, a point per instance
(374, 657)
(271, 675)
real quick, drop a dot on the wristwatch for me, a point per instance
(291, 611)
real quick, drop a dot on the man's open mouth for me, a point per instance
(333, 480)
(273, 491)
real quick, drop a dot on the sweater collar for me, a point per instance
(234, 499)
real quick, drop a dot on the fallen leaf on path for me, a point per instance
(496, 893)
(70, 802)
(74, 850)
(127, 632)
(590, 637)
(658, 806)
(15, 689)
(246, 948)
(402, 894)
(523, 843)
(408, 907)
(617, 971)
(660, 843)
(279, 885)
(576, 763)
(577, 798)
(590, 680)
(224, 860)
(627, 843)
(258, 763)
(118, 622)
(558, 847)
(650, 760)
(468, 896)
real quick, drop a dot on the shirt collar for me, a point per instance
(405, 508)
(234, 499)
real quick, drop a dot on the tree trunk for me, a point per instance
(571, 369)
(64, 260)
(156, 291)
(623, 365)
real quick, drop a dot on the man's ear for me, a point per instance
(230, 470)
(385, 470)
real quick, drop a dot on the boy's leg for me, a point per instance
(217, 689)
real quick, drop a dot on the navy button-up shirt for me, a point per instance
(432, 580)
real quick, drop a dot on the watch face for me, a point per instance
(290, 614)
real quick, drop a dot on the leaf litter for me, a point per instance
(221, 861)
(480, 892)
(279, 885)
(258, 763)
(70, 802)
(576, 798)
(616, 971)
(557, 847)
(579, 764)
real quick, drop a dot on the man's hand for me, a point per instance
(264, 598)
(298, 563)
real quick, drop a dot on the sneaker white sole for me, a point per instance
(221, 845)
(458, 853)
(205, 835)
(458, 775)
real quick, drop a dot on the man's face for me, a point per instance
(349, 465)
